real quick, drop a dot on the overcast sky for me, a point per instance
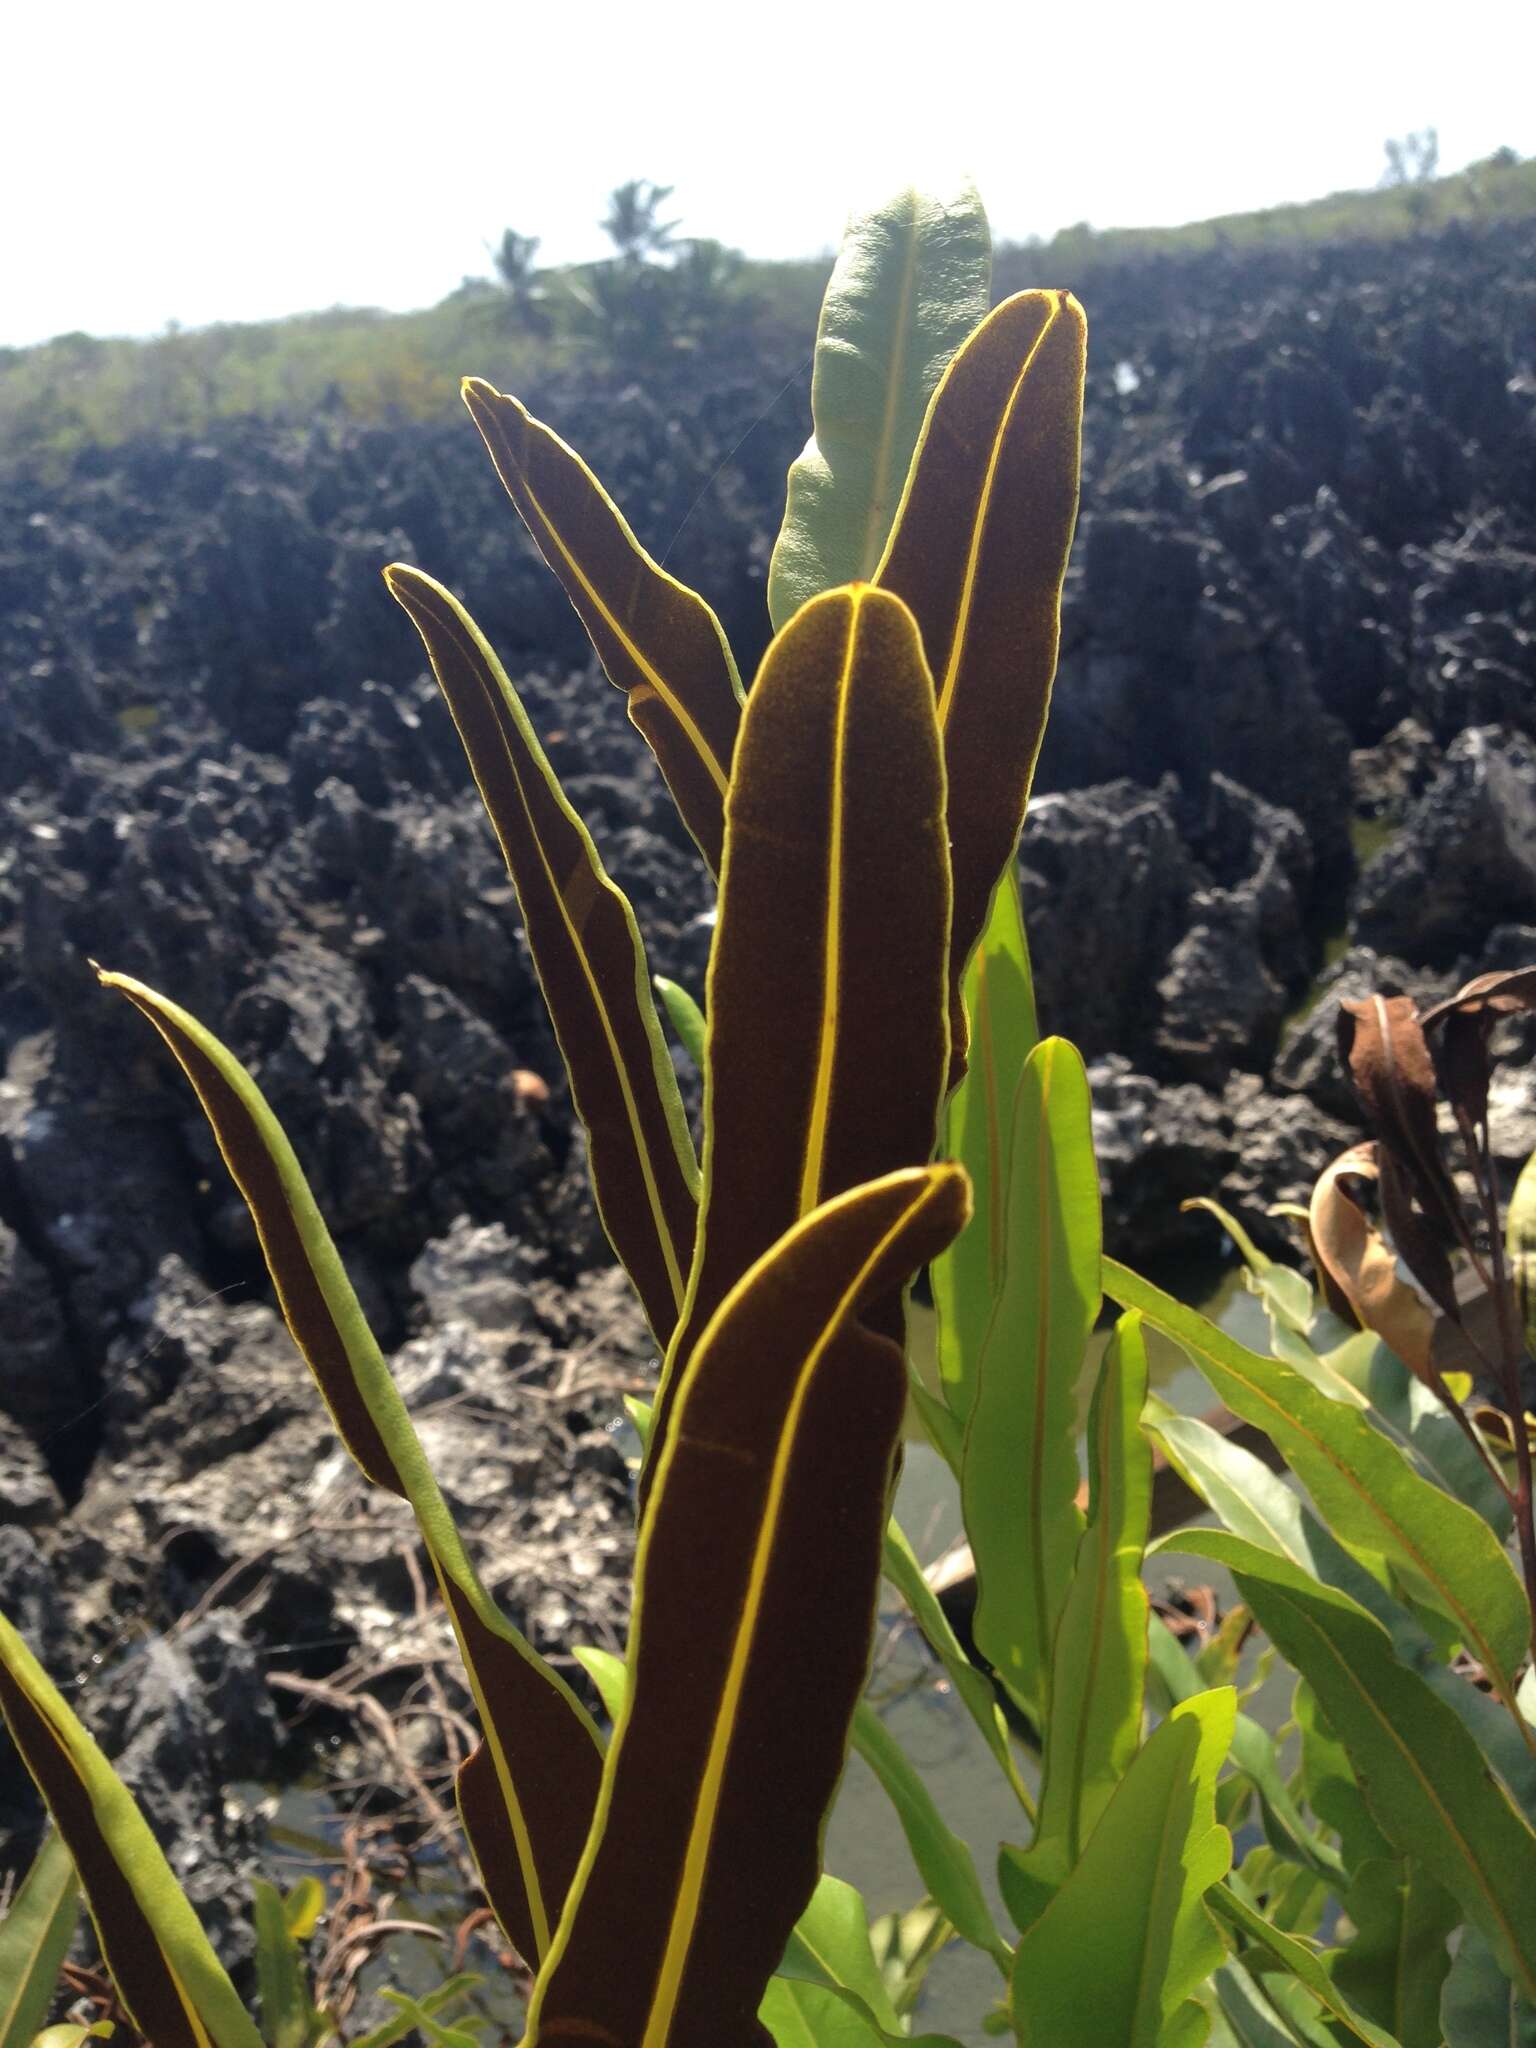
(163, 161)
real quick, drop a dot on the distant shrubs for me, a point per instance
(660, 299)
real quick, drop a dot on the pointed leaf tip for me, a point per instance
(588, 953)
(722, 1767)
(658, 641)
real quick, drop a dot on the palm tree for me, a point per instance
(513, 258)
(631, 222)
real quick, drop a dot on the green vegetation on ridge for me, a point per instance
(78, 390)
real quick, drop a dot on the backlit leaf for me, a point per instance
(685, 1017)
(287, 2012)
(900, 1565)
(1427, 1786)
(1301, 1962)
(830, 1945)
(943, 1860)
(999, 999)
(161, 1962)
(590, 959)
(1020, 1476)
(658, 640)
(1365, 1488)
(1128, 1939)
(1284, 1292)
(1098, 1670)
(911, 281)
(827, 1027)
(527, 1793)
(34, 1940)
(758, 1564)
(1394, 1967)
(978, 552)
(1479, 2007)
(802, 2015)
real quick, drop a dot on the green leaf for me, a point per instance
(1327, 1782)
(802, 2015)
(1367, 1491)
(1254, 1754)
(938, 1422)
(1251, 2016)
(67, 2036)
(1098, 1673)
(1424, 1780)
(943, 1860)
(1490, 1726)
(34, 1940)
(906, 1946)
(685, 1017)
(303, 1906)
(1128, 1939)
(900, 1566)
(1255, 1504)
(658, 640)
(999, 999)
(724, 1760)
(1282, 1289)
(1416, 1418)
(166, 1972)
(1301, 1962)
(830, 1945)
(1395, 1966)
(420, 2016)
(1020, 1477)
(911, 281)
(431, 2003)
(608, 1673)
(527, 1793)
(640, 1414)
(1480, 2008)
(1520, 1237)
(287, 2012)
(1259, 1508)
(588, 953)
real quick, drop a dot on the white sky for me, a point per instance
(163, 161)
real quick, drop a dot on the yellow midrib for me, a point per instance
(978, 529)
(1163, 1854)
(821, 1093)
(626, 641)
(1102, 1577)
(199, 2032)
(1426, 1785)
(875, 527)
(517, 1819)
(1044, 1180)
(1474, 1633)
(690, 1886)
(631, 1108)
